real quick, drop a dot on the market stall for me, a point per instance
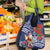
(11, 21)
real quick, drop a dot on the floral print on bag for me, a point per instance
(29, 39)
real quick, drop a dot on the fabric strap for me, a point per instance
(36, 13)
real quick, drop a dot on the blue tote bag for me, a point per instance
(32, 37)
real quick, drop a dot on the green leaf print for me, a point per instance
(29, 42)
(35, 33)
(37, 28)
(40, 29)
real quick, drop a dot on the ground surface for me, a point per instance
(14, 47)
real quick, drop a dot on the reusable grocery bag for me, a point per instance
(32, 37)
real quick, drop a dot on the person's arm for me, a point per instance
(40, 5)
(30, 9)
(29, 6)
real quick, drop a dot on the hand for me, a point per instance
(18, 3)
(23, 7)
(21, 4)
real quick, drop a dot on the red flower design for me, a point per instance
(38, 31)
(34, 29)
(42, 34)
(39, 37)
(40, 26)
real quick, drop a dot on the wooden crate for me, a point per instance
(7, 40)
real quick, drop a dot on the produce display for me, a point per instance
(45, 16)
(3, 11)
(47, 8)
(8, 23)
(47, 1)
(47, 24)
(49, 15)
(7, 26)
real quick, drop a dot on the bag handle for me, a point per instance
(36, 9)
(33, 14)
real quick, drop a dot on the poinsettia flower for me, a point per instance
(39, 37)
(38, 31)
(34, 29)
(42, 34)
(40, 26)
